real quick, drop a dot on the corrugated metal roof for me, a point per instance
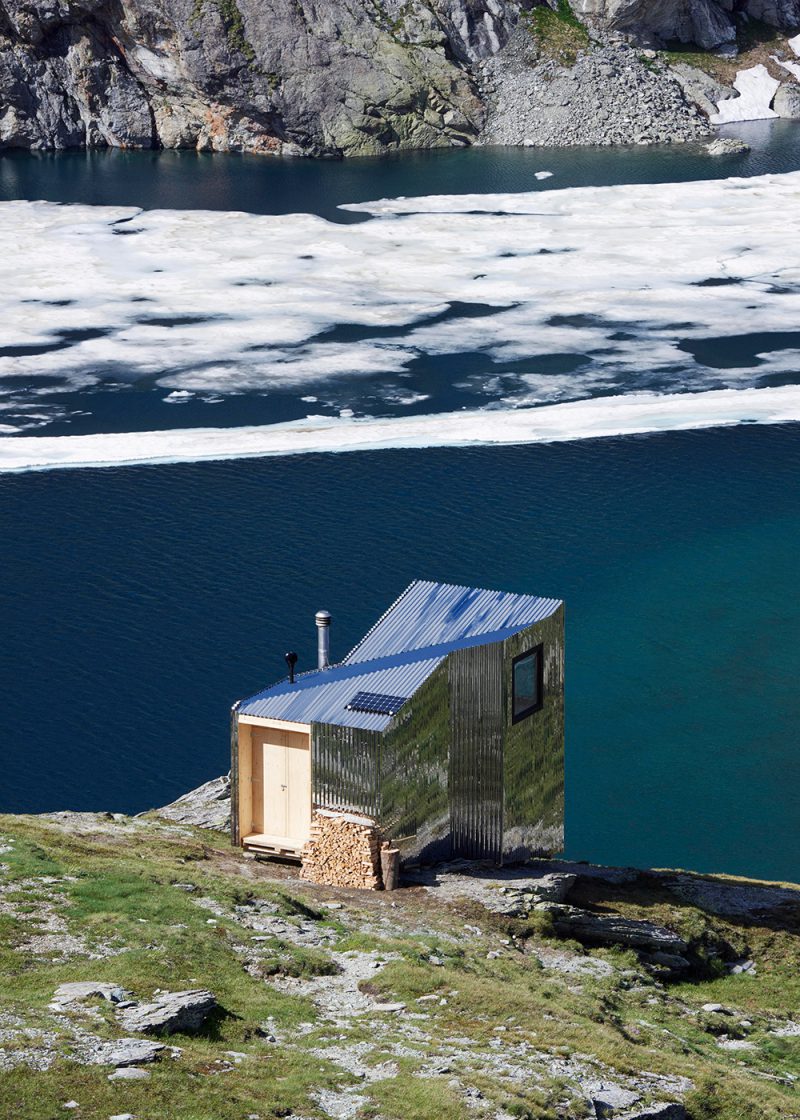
(428, 614)
(323, 696)
(427, 622)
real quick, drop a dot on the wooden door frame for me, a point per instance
(245, 768)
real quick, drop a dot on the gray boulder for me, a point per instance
(123, 1052)
(67, 995)
(609, 1099)
(611, 929)
(787, 101)
(727, 146)
(129, 1073)
(667, 965)
(700, 88)
(169, 1012)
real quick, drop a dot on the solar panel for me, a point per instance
(377, 702)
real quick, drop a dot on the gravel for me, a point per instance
(612, 95)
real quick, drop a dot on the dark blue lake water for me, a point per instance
(137, 604)
(201, 181)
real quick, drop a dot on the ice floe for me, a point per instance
(634, 413)
(562, 294)
(756, 88)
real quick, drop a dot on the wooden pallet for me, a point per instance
(281, 846)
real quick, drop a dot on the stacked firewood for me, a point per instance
(343, 851)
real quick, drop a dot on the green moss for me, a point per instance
(234, 25)
(412, 1098)
(558, 34)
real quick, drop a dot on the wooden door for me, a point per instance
(276, 788)
(298, 772)
(282, 784)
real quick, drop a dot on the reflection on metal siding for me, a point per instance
(235, 824)
(476, 752)
(430, 614)
(414, 810)
(533, 819)
(345, 769)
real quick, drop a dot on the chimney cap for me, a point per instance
(323, 618)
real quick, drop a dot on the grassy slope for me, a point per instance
(757, 42)
(116, 885)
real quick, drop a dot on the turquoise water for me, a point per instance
(137, 604)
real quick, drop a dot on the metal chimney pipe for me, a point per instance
(323, 639)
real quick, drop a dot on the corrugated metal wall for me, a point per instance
(415, 811)
(451, 775)
(346, 768)
(476, 751)
(533, 819)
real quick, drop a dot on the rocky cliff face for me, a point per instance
(315, 77)
(289, 76)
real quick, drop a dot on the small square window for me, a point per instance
(527, 684)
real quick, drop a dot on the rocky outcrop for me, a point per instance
(169, 1013)
(208, 806)
(704, 22)
(611, 929)
(727, 146)
(707, 23)
(122, 1053)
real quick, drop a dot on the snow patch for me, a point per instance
(792, 68)
(756, 89)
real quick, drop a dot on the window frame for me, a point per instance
(538, 652)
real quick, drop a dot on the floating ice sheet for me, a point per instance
(631, 414)
(562, 294)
